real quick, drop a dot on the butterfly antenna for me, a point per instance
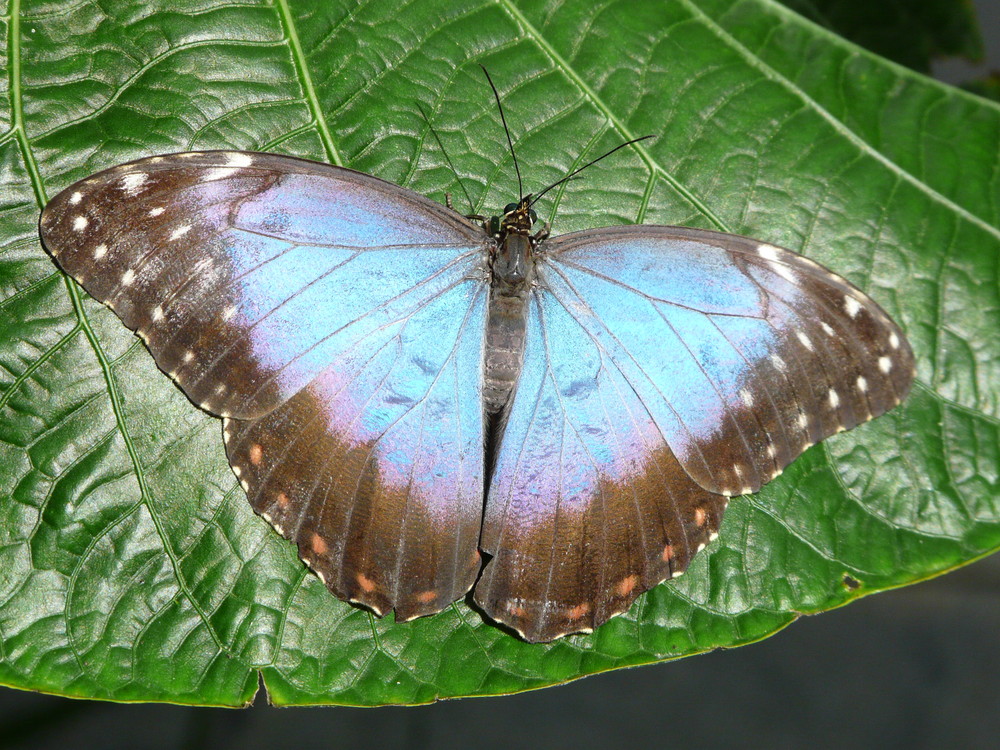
(472, 208)
(588, 164)
(496, 94)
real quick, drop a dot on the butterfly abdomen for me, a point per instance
(505, 331)
(513, 271)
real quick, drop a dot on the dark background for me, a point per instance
(918, 667)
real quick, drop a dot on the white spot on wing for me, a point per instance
(862, 383)
(851, 305)
(128, 277)
(805, 340)
(894, 340)
(100, 251)
(885, 364)
(778, 362)
(188, 355)
(132, 182)
(826, 329)
(218, 173)
(156, 211)
(229, 312)
(234, 162)
(747, 398)
(157, 313)
(80, 223)
(770, 252)
(239, 160)
(180, 231)
(803, 420)
(76, 197)
(834, 399)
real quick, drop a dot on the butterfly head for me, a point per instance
(518, 218)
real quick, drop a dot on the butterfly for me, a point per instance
(363, 343)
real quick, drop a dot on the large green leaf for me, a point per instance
(911, 33)
(131, 566)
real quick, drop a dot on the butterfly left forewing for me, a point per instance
(220, 262)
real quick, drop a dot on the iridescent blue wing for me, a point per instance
(665, 370)
(334, 319)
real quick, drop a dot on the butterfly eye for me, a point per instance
(510, 207)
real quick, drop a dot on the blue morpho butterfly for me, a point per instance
(364, 343)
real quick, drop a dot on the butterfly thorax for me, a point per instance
(512, 265)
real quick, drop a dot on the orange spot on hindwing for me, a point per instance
(515, 608)
(627, 584)
(318, 544)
